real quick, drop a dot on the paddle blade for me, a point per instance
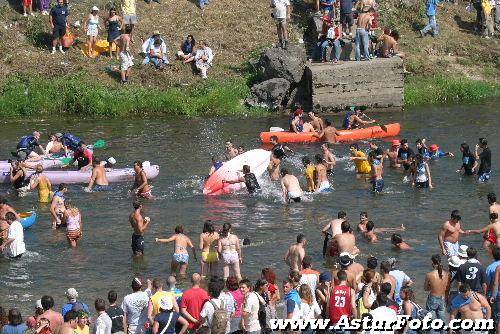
(383, 127)
(99, 144)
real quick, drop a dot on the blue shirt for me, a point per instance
(327, 4)
(59, 15)
(345, 6)
(431, 6)
(69, 306)
(490, 274)
(19, 329)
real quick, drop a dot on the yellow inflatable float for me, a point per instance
(101, 47)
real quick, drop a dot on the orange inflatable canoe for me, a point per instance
(346, 135)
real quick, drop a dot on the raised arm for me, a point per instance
(165, 241)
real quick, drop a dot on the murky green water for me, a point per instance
(183, 148)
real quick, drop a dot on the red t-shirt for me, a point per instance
(340, 303)
(86, 153)
(193, 300)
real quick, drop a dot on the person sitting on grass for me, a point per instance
(188, 50)
(157, 53)
(203, 57)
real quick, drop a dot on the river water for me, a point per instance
(183, 149)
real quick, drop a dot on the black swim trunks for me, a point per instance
(137, 243)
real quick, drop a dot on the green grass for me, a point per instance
(79, 95)
(441, 89)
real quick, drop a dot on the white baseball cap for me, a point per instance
(455, 261)
(462, 251)
(95, 8)
(166, 303)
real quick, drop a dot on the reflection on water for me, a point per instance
(183, 149)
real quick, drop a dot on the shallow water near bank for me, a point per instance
(183, 149)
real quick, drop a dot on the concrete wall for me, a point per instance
(377, 83)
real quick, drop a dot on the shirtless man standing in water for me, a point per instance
(139, 225)
(328, 134)
(344, 242)
(290, 187)
(4, 208)
(141, 186)
(449, 234)
(392, 154)
(295, 254)
(316, 122)
(322, 183)
(98, 177)
(328, 157)
(274, 168)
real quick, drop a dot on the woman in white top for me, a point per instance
(203, 58)
(421, 173)
(309, 308)
(92, 28)
(367, 292)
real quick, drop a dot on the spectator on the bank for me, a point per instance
(27, 8)
(327, 23)
(332, 39)
(113, 23)
(16, 325)
(479, 24)
(431, 11)
(389, 44)
(203, 3)
(165, 322)
(44, 6)
(129, 16)
(103, 323)
(346, 17)
(116, 314)
(92, 27)
(489, 29)
(135, 307)
(157, 53)
(282, 12)
(58, 22)
(325, 6)
(73, 303)
(234, 289)
(127, 60)
(55, 318)
(188, 49)
(203, 57)
(497, 15)
(192, 303)
(220, 300)
(362, 35)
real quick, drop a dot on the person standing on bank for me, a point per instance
(282, 12)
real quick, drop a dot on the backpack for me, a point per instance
(262, 315)
(220, 319)
(360, 304)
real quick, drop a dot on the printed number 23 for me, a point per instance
(473, 271)
(339, 301)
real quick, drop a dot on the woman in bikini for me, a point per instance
(74, 225)
(180, 259)
(230, 250)
(208, 246)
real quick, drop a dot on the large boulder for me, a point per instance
(288, 64)
(269, 94)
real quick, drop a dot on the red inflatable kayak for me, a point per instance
(346, 135)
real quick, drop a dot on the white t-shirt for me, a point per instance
(162, 48)
(280, 8)
(17, 247)
(208, 310)
(103, 324)
(383, 313)
(311, 280)
(251, 305)
(309, 311)
(135, 306)
(401, 280)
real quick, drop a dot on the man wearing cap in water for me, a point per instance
(98, 179)
(435, 153)
(450, 233)
(392, 154)
(25, 149)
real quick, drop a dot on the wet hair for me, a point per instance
(246, 169)
(345, 227)
(232, 283)
(306, 160)
(112, 9)
(246, 241)
(483, 141)
(385, 267)
(410, 295)
(247, 283)
(436, 261)
(342, 275)
(396, 239)
(419, 158)
(179, 229)
(136, 205)
(471, 253)
(372, 262)
(215, 287)
(208, 227)
(318, 158)
(496, 253)
(47, 302)
(284, 171)
(269, 275)
(492, 198)
(341, 215)
(465, 148)
(275, 138)
(100, 305)
(62, 186)
(418, 141)
(464, 288)
(370, 225)
(260, 283)
(307, 262)
(455, 215)
(364, 214)
(306, 293)
(10, 217)
(15, 317)
(112, 296)
(300, 238)
(96, 162)
(70, 315)
(386, 288)
(493, 216)
(138, 163)
(226, 227)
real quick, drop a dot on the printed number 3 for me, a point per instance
(339, 301)
(473, 271)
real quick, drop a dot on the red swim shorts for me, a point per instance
(27, 3)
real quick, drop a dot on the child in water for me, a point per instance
(398, 243)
